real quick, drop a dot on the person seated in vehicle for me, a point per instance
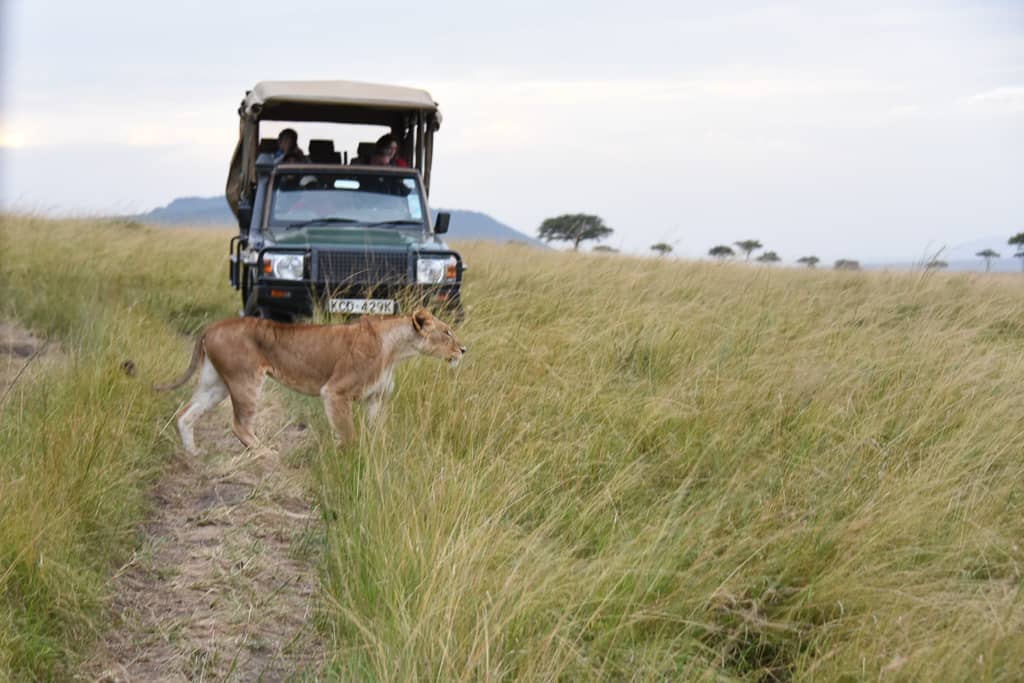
(380, 158)
(288, 151)
(387, 146)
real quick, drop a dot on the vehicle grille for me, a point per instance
(339, 268)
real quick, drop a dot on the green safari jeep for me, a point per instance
(322, 233)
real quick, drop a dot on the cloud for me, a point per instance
(1008, 99)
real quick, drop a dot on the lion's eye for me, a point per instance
(450, 333)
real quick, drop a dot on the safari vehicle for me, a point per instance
(347, 238)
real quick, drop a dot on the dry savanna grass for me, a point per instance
(644, 470)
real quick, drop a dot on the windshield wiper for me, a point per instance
(329, 220)
(403, 221)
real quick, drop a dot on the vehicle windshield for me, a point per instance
(304, 198)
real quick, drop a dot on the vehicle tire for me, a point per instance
(458, 314)
(249, 307)
(452, 312)
(253, 310)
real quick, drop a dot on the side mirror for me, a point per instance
(244, 218)
(441, 222)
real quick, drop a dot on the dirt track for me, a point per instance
(224, 585)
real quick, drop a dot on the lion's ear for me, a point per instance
(419, 318)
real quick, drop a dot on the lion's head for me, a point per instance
(435, 337)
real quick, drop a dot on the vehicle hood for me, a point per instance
(320, 237)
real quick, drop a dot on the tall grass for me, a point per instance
(80, 440)
(643, 470)
(649, 470)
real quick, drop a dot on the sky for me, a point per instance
(869, 130)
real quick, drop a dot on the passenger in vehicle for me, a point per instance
(288, 151)
(380, 158)
(388, 146)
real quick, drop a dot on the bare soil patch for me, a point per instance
(224, 585)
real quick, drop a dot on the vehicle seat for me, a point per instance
(268, 146)
(365, 152)
(322, 152)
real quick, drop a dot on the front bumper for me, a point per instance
(362, 274)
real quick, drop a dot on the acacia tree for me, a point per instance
(809, 261)
(747, 247)
(662, 248)
(988, 255)
(575, 228)
(936, 264)
(1018, 241)
(605, 249)
(847, 264)
(769, 257)
(721, 252)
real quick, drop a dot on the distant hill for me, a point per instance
(214, 211)
(474, 225)
(191, 211)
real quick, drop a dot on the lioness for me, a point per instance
(341, 363)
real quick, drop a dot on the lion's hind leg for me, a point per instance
(210, 391)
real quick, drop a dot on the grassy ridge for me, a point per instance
(644, 470)
(81, 440)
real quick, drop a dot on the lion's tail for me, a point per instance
(197, 355)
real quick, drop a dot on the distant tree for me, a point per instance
(847, 264)
(1018, 241)
(605, 249)
(769, 257)
(747, 247)
(662, 248)
(721, 252)
(936, 264)
(988, 255)
(575, 228)
(809, 261)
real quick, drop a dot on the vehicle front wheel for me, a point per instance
(252, 309)
(249, 307)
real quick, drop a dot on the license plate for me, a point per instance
(362, 306)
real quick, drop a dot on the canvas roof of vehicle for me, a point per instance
(333, 101)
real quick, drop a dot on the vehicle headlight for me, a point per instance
(284, 266)
(436, 271)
